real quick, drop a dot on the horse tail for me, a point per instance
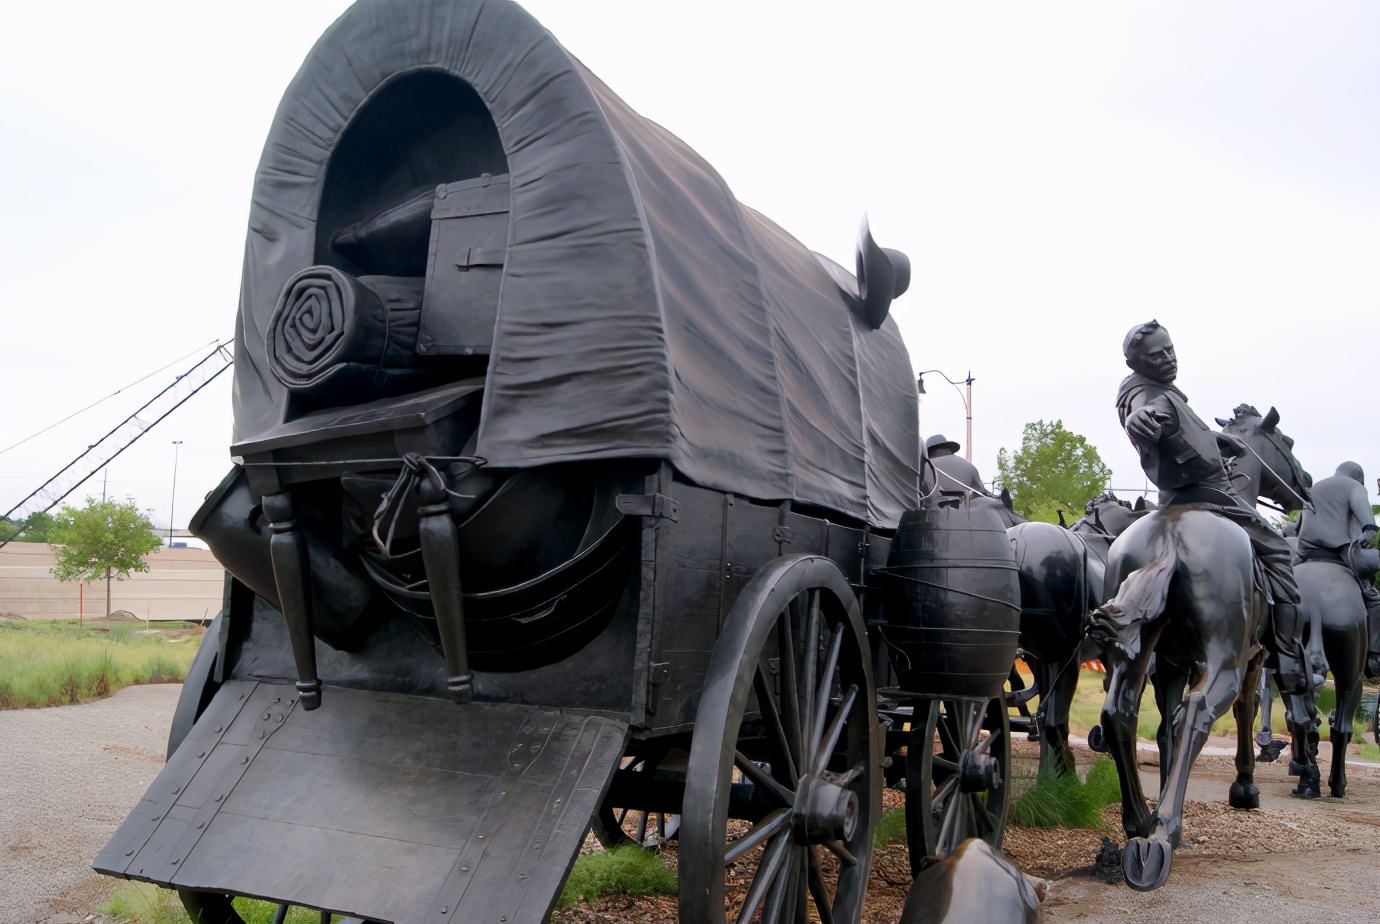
(1140, 598)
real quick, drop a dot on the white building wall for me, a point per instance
(180, 584)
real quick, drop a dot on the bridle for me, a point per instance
(1287, 485)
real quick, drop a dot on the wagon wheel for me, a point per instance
(957, 764)
(653, 828)
(783, 785)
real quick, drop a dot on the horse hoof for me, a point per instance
(1145, 863)
(1338, 792)
(1096, 740)
(1244, 796)
(1308, 787)
(1296, 768)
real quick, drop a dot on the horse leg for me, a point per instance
(1244, 793)
(1057, 687)
(1346, 673)
(1301, 717)
(1125, 684)
(1146, 860)
(1267, 702)
(1170, 683)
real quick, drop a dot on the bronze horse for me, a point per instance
(1187, 592)
(1330, 597)
(1061, 576)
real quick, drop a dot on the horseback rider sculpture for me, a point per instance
(954, 472)
(1179, 453)
(1339, 529)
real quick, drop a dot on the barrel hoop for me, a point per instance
(987, 564)
(954, 590)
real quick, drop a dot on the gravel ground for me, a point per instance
(70, 776)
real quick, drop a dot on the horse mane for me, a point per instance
(1106, 497)
(1243, 411)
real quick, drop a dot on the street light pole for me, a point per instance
(172, 503)
(967, 402)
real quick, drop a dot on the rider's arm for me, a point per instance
(1151, 416)
(1360, 509)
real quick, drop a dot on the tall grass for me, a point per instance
(57, 663)
(1086, 710)
(1047, 798)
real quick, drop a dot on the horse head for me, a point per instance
(1268, 466)
(1107, 514)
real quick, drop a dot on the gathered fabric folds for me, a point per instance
(642, 312)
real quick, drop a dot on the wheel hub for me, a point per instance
(978, 772)
(823, 811)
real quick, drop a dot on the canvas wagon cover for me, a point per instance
(643, 312)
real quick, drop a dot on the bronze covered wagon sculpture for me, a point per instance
(563, 485)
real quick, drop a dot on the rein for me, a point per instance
(1303, 503)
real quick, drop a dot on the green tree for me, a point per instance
(105, 539)
(33, 528)
(1053, 470)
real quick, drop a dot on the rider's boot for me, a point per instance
(1373, 623)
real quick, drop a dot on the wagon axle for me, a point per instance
(823, 812)
(978, 771)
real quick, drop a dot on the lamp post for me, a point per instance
(967, 402)
(172, 503)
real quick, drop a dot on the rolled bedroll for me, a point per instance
(619, 302)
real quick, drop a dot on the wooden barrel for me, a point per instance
(952, 613)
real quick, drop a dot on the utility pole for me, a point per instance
(172, 504)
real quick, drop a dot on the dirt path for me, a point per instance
(1300, 860)
(71, 775)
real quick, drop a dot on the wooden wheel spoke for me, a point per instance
(778, 734)
(831, 736)
(984, 745)
(779, 897)
(982, 817)
(949, 767)
(952, 810)
(947, 739)
(967, 716)
(944, 791)
(759, 776)
(790, 691)
(810, 659)
(839, 850)
(772, 859)
(776, 821)
(826, 677)
(823, 906)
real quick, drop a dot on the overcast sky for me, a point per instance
(1057, 172)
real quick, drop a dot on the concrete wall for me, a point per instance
(180, 584)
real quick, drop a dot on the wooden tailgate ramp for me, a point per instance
(391, 807)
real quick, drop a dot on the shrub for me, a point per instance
(144, 903)
(624, 870)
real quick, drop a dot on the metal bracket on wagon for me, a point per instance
(649, 505)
